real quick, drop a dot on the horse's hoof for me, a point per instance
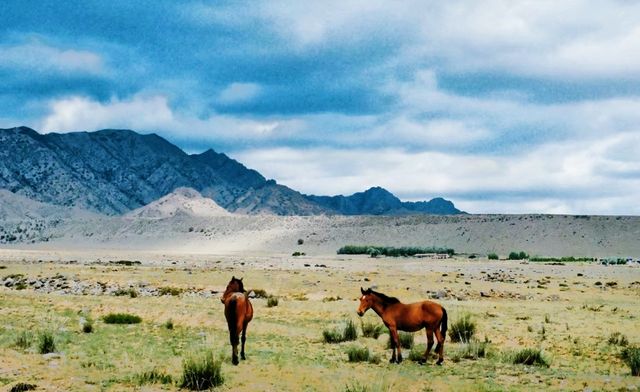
(392, 360)
(243, 357)
(399, 359)
(235, 361)
(439, 363)
(422, 361)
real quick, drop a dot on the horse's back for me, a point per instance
(242, 306)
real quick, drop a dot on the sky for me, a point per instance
(500, 106)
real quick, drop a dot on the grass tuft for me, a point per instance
(201, 372)
(406, 340)
(131, 292)
(631, 356)
(168, 324)
(473, 350)
(463, 329)
(272, 302)
(260, 293)
(121, 318)
(172, 291)
(529, 356)
(87, 326)
(153, 376)
(372, 330)
(23, 340)
(361, 354)
(23, 386)
(618, 339)
(46, 343)
(356, 387)
(349, 333)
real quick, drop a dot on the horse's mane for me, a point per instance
(385, 298)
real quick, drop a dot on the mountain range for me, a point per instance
(117, 171)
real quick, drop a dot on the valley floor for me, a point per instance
(569, 311)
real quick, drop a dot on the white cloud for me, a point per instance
(35, 55)
(239, 92)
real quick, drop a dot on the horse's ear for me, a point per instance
(241, 279)
(361, 290)
(233, 277)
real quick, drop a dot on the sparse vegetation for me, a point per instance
(618, 339)
(167, 290)
(530, 357)
(356, 387)
(260, 293)
(131, 292)
(474, 349)
(272, 302)
(296, 254)
(361, 354)
(463, 329)
(22, 387)
(569, 259)
(153, 376)
(300, 241)
(46, 343)
(168, 324)
(121, 318)
(372, 330)
(390, 251)
(87, 325)
(201, 372)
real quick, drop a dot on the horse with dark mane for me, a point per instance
(238, 312)
(407, 317)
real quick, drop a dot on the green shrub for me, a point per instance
(492, 256)
(474, 349)
(529, 356)
(463, 329)
(168, 324)
(173, 291)
(300, 241)
(23, 340)
(46, 343)
(350, 331)
(417, 353)
(332, 336)
(518, 255)
(201, 372)
(121, 318)
(272, 301)
(361, 354)
(372, 330)
(390, 251)
(154, 376)
(22, 387)
(296, 254)
(406, 340)
(618, 339)
(631, 356)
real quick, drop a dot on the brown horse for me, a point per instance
(411, 318)
(238, 312)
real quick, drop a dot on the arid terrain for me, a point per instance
(567, 311)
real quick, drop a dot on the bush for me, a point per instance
(463, 329)
(518, 256)
(372, 330)
(390, 251)
(46, 343)
(121, 318)
(272, 301)
(201, 372)
(631, 356)
(300, 241)
(153, 376)
(23, 386)
(529, 356)
(349, 333)
(618, 339)
(492, 256)
(296, 254)
(23, 340)
(406, 340)
(168, 324)
(361, 354)
(417, 353)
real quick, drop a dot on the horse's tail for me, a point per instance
(443, 323)
(232, 320)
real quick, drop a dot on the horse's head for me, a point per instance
(234, 286)
(366, 301)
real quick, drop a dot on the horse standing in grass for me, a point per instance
(238, 312)
(410, 318)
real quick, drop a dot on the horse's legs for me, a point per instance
(244, 339)
(392, 341)
(233, 338)
(396, 342)
(429, 343)
(440, 346)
